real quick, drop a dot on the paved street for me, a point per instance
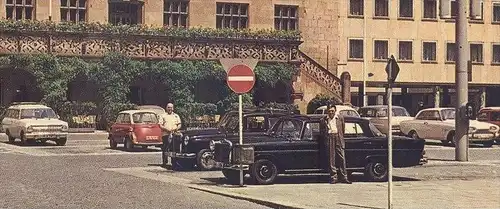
(87, 174)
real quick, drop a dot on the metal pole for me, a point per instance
(240, 113)
(461, 122)
(389, 141)
(365, 48)
(50, 10)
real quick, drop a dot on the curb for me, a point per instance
(260, 201)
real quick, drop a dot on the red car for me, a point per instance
(135, 127)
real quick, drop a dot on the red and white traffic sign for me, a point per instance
(240, 78)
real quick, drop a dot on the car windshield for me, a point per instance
(145, 117)
(448, 114)
(375, 130)
(38, 113)
(396, 111)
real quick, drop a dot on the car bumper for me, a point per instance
(481, 137)
(181, 155)
(236, 167)
(46, 135)
(148, 143)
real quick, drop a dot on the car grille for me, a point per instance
(54, 128)
(482, 131)
(396, 127)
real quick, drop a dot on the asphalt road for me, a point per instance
(87, 174)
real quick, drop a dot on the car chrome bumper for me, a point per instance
(46, 135)
(148, 143)
(181, 155)
(236, 167)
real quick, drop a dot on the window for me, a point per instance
(356, 7)
(405, 8)
(353, 130)
(175, 13)
(495, 116)
(355, 49)
(126, 118)
(145, 117)
(405, 50)
(311, 131)
(454, 8)
(19, 9)
(496, 12)
(73, 10)
(429, 51)
(289, 129)
(482, 116)
(381, 50)
(231, 15)
(430, 9)
(125, 13)
(38, 113)
(429, 115)
(285, 17)
(450, 52)
(381, 8)
(476, 53)
(255, 124)
(470, 10)
(496, 53)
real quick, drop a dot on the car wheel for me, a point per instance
(128, 145)
(449, 139)
(112, 144)
(23, 138)
(232, 176)
(264, 171)
(488, 143)
(376, 171)
(205, 160)
(413, 134)
(61, 142)
(11, 139)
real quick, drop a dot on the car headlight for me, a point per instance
(29, 129)
(493, 129)
(212, 145)
(64, 128)
(472, 129)
(186, 140)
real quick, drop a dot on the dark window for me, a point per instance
(125, 13)
(405, 50)
(454, 8)
(232, 15)
(381, 8)
(356, 7)
(356, 49)
(175, 13)
(285, 17)
(311, 132)
(495, 116)
(126, 118)
(470, 10)
(406, 8)
(450, 52)
(430, 9)
(429, 51)
(429, 115)
(381, 50)
(255, 124)
(20, 9)
(496, 12)
(476, 53)
(73, 10)
(496, 54)
(289, 129)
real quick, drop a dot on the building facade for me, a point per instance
(315, 19)
(423, 43)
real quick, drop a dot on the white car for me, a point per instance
(377, 114)
(343, 110)
(439, 124)
(30, 122)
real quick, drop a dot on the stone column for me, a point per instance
(437, 96)
(483, 97)
(346, 87)
(360, 96)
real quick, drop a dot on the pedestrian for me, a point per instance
(332, 129)
(170, 124)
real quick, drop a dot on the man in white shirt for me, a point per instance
(332, 129)
(170, 124)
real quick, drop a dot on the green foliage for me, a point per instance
(191, 110)
(268, 75)
(318, 101)
(172, 32)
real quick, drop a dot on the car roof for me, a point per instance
(379, 106)
(338, 107)
(490, 109)
(318, 117)
(438, 108)
(28, 106)
(250, 111)
(136, 111)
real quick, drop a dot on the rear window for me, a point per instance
(318, 112)
(483, 116)
(145, 117)
(495, 116)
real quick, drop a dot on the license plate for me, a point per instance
(483, 136)
(151, 137)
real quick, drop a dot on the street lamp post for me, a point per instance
(365, 48)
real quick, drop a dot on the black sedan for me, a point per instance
(293, 145)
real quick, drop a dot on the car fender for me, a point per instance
(380, 158)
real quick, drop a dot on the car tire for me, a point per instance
(449, 139)
(232, 176)
(112, 144)
(128, 145)
(263, 172)
(11, 139)
(413, 134)
(205, 160)
(61, 142)
(488, 143)
(23, 138)
(376, 171)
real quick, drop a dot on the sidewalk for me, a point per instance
(436, 185)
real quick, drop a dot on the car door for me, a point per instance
(120, 128)
(289, 150)
(358, 144)
(421, 123)
(306, 152)
(433, 125)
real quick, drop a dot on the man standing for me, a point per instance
(332, 129)
(170, 124)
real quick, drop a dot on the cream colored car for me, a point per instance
(377, 114)
(439, 124)
(343, 110)
(32, 122)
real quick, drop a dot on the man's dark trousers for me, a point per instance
(164, 150)
(336, 156)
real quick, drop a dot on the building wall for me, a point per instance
(416, 30)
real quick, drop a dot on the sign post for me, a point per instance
(392, 70)
(240, 79)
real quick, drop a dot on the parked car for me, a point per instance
(135, 127)
(294, 145)
(193, 148)
(490, 115)
(377, 114)
(343, 110)
(439, 124)
(32, 121)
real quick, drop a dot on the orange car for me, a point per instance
(135, 127)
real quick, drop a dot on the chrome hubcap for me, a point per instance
(379, 169)
(265, 172)
(208, 159)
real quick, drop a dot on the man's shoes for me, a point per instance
(333, 181)
(346, 181)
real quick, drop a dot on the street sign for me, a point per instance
(392, 70)
(240, 78)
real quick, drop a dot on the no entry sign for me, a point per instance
(240, 78)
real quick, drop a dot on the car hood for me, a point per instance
(43, 122)
(396, 120)
(203, 132)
